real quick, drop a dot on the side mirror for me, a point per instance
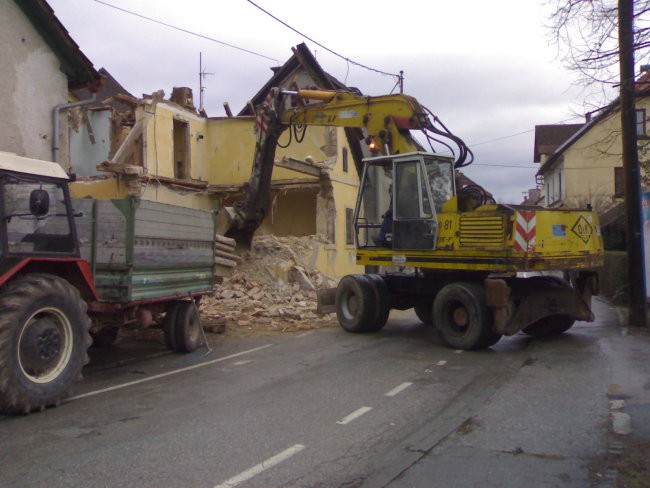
(39, 203)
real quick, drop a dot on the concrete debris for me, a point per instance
(271, 288)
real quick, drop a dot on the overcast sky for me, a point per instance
(487, 69)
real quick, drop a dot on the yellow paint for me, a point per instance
(587, 167)
(100, 189)
(563, 240)
(221, 152)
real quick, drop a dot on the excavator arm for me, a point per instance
(386, 120)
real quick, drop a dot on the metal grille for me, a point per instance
(481, 231)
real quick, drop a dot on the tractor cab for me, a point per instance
(35, 209)
(400, 198)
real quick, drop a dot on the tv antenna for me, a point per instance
(202, 75)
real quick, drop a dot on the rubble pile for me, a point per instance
(272, 288)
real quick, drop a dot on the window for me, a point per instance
(349, 226)
(640, 123)
(619, 183)
(30, 233)
(181, 150)
(345, 160)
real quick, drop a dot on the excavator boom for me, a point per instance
(386, 121)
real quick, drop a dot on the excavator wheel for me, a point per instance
(424, 311)
(356, 304)
(550, 326)
(43, 342)
(382, 302)
(462, 318)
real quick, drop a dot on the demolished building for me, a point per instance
(164, 150)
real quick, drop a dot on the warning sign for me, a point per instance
(583, 229)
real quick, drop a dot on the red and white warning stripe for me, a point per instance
(525, 231)
(264, 114)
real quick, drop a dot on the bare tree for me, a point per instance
(586, 32)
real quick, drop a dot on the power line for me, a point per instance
(505, 165)
(321, 45)
(516, 134)
(196, 34)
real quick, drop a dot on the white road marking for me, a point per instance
(263, 466)
(304, 334)
(458, 351)
(163, 375)
(241, 363)
(441, 363)
(398, 389)
(354, 415)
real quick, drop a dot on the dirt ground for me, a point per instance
(628, 464)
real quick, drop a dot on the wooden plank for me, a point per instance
(224, 247)
(227, 255)
(225, 240)
(225, 262)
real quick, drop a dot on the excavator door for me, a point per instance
(399, 198)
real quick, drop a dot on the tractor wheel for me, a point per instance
(462, 318)
(424, 311)
(187, 327)
(550, 326)
(43, 342)
(356, 307)
(382, 302)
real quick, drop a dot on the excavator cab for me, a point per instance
(399, 200)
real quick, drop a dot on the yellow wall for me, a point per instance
(588, 165)
(102, 189)
(221, 152)
(292, 214)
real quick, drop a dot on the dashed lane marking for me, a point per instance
(441, 363)
(263, 466)
(241, 363)
(163, 375)
(398, 389)
(354, 415)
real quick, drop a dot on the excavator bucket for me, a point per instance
(326, 300)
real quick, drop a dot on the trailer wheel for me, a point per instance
(43, 342)
(169, 325)
(187, 327)
(462, 318)
(356, 303)
(382, 302)
(424, 311)
(550, 326)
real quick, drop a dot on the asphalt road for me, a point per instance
(324, 409)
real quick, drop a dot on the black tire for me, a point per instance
(104, 337)
(356, 306)
(169, 325)
(187, 327)
(44, 341)
(424, 311)
(550, 326)
(382, 302)
(461, 317)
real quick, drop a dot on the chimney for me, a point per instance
(182, 95)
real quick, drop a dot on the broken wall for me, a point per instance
(90, 139)
(31, 85)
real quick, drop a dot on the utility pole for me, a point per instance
(634, 224)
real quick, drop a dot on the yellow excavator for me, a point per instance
(474, 269)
